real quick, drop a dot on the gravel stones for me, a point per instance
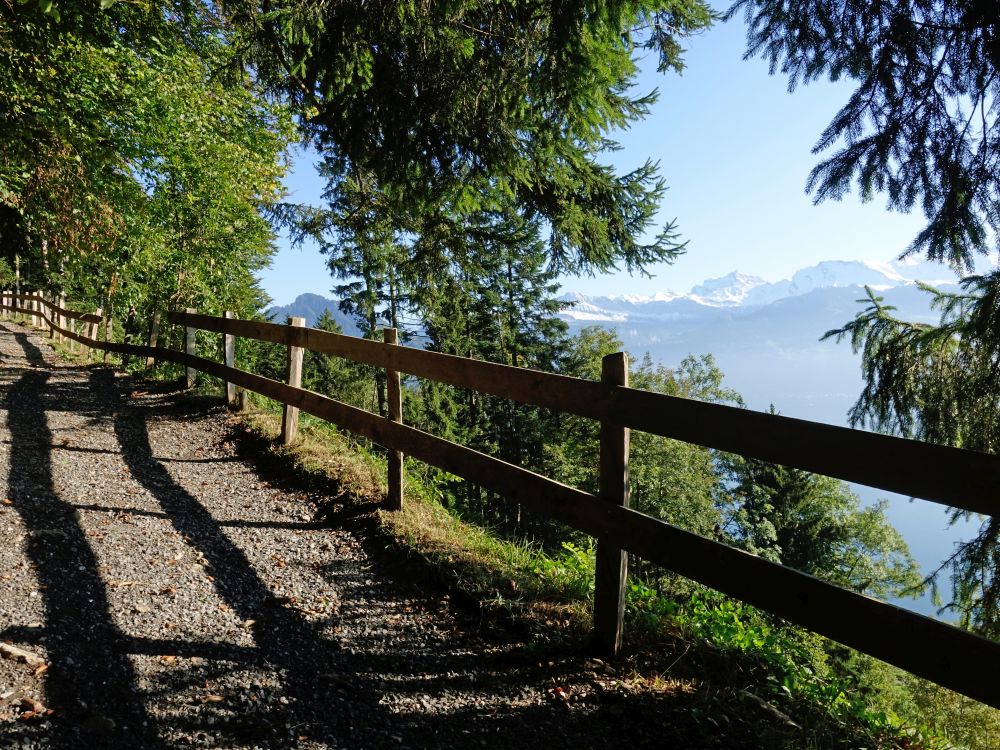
(176, 599)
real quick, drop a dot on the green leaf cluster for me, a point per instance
(456, 108)
(940, 383)
(137, 160)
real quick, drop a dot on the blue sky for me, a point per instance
(734, 148)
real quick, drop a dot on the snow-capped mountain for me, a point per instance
(766, 338)
(739, 290)
(766, 335)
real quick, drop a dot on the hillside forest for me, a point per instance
(464, 147)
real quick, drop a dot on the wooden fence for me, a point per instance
(944, 654)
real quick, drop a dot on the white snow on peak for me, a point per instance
(740, 290)
(841, 273)
(725, 291)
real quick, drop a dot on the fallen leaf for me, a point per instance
(40, 669)
(212, 698)
(30, 705)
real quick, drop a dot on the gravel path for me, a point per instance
(179, 599)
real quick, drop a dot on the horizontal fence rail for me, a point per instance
(54, 308)
(889, 463)
(942, 653)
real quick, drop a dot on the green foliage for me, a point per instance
(815, 524)
(453, 109)
(921, 126)
(333, 376)
(137, 160)
(570, 571)
(7, 276)
(941, 384)
(670, 479)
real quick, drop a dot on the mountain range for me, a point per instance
(311, 307)
(765, 336)
(766, 339)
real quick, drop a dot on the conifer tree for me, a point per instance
(495, 302)
(447, 106)
(815, 524)
(940, 383)
(923, 128)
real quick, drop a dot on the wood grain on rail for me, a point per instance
(890, 463)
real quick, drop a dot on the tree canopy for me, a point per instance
(921, 127)
(461, 107)
(137, 158)
(922, 124)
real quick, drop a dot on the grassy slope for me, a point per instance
(733, 656)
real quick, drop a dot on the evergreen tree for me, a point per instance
(923, 128)
(495, 302)
(815, 524)
(450, 106)
(941, 383)
(363, 251)
(334, 376)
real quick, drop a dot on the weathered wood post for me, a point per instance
(394, 497)
(191, 347)
(290, 414)
(612, 561)
(33, 306)
(63, 320)
(94, 326)
(229, 354)
(109, 328)
(53, 316)
(154, 337)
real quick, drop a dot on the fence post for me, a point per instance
(154, 337)
(290, 414)
(612, 561)
(229, 353)
(63, 320)
(108, 331)
(394, 498)
(92, 334)
(53, 317)
(191, 347)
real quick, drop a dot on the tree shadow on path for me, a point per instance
(308, 664)
(90, 678)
